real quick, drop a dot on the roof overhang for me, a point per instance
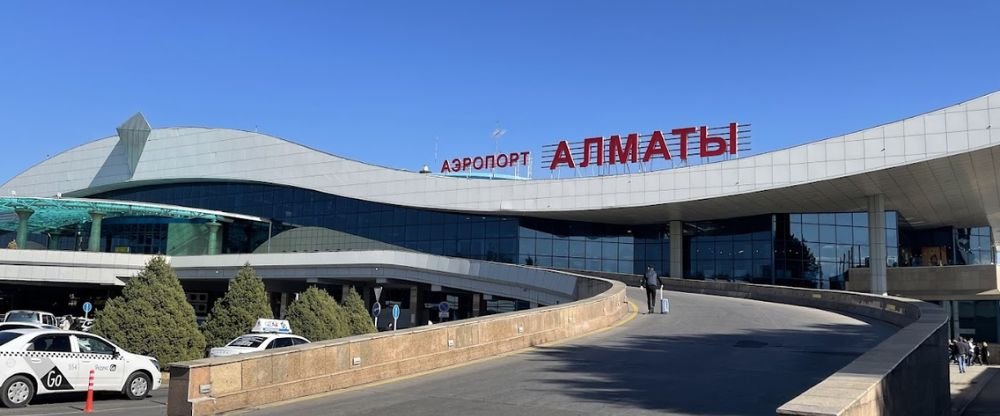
(54, 213)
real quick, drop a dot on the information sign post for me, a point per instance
(376, 310)
(87, 307)
(395, 316)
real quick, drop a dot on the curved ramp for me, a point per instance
(711, 355)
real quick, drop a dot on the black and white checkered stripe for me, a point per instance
(48, 354)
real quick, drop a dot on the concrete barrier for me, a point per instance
(907, 374)
(216, 385)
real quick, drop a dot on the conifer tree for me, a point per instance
(236, 312)
(317, 316)
(153, 317)
(358, 320)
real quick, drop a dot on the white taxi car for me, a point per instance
(267, 334)
(42, 361)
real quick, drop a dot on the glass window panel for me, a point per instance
(577, 263)
(625, 252)
(810, 233)
(543, 246)
(743, 250)
(810, 218)
(796, 230)
(845, 234)
(625, 266)
(891, 238)
(860, 219)
(844, 218)
(577, 248)
(827, 218)
(593, 250)
(560, 247)
(762, 249)
(827, 233)
(609, 250)
(860, 235)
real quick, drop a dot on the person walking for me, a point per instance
(984, 354)
(651, 282)
(963, 353)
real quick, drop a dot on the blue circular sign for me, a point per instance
(443, 306)
(395, 311)
(376, 309)
(87, 307)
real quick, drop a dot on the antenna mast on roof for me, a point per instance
(497, 134)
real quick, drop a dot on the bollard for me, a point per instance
(89, 407)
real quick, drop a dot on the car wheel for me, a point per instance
(17, 391)
(137, 386)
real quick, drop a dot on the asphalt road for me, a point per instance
(709, 356)
(104, 404)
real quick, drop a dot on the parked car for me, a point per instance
(266, 334)
(7, 326)
(30, 316)
(43, 361)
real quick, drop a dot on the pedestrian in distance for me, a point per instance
(651, 281)
(984, 354)
(963, 354)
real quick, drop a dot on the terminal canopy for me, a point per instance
(55, 213)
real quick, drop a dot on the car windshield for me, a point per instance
(5, 337)
(21, 316)
(249, 341)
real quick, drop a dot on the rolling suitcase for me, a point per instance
(664, 303)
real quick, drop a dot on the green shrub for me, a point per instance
(237, 311)
(358, 320)
(317, 316)
(152, 317)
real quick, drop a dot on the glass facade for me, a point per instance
(798, 249)
(946, 246)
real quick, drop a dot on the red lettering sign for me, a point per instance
(710, 143)
(501, 160)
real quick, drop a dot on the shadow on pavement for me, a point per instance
(751, 372)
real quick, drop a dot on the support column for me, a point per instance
(415, 307)
(477, 299)
(95, 231)
(284, 305)
(676, 249)
(54, 241)
(345, 289)
(22, 227)
(213, 237)
(876, 243)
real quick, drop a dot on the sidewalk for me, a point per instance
(975, 393)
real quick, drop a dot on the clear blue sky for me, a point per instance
(379, 81)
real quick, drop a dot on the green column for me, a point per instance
(95, 231)
(213, 234)
(22, 227)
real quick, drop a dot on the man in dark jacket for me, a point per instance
(650, 281)
(963, 353)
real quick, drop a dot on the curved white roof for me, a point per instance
(935, 168)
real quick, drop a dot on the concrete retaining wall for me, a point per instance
(216, 385)
(907, 374)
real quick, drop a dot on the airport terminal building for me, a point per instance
(906, 208)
